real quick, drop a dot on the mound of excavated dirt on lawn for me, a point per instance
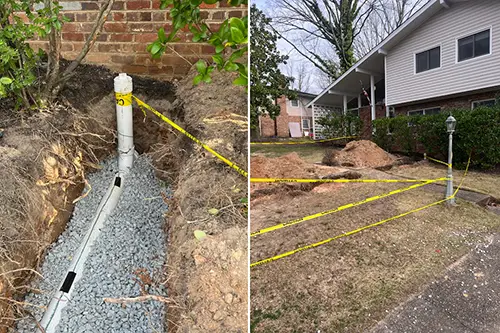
(286, 166)
(361, 153)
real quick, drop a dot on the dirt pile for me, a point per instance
(361, 154)
(286, 166)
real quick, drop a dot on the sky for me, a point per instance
(294, 57)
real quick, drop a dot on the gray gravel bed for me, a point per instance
(131, 239)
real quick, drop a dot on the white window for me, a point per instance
(486, 102)
(294, 102)
(353, 112)
(428, 60)
(305, 124)
(423, 112)
(474, 46)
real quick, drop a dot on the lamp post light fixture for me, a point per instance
(450, 126)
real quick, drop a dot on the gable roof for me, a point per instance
(373, 61)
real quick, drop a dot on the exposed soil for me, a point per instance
(362, 153)
(209, 278)
(349, 284)
(54, 148)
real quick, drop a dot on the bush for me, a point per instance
(477, 132)
(336, 125)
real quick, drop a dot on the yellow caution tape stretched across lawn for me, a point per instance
(338, 209)
(301, 142)
(307, 247)
(435, 160)
(297, 180)
(183, 131)
(349, 233)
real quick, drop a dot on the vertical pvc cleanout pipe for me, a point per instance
(123, 92)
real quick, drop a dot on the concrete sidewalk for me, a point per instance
(466, 300)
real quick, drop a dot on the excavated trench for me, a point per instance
(129, 258)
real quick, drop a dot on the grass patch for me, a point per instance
(259, 315)
(310, 152)
(484, 182)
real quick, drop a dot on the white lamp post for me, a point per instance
(450, 127)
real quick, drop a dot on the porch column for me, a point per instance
(345, 105)
(313, 124)
(359, 101)
(372, 88)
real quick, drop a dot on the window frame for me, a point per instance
(423, 113)
(294, 100)
(309, 124)
(482, 100)
(427, 49)
(424, 109)
(471, 34)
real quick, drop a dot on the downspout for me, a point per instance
(123, 91)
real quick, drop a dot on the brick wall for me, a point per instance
(365, 114)
(462, 102)
(129, 28)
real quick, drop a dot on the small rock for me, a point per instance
(228, 298)
(219, 315)
(213, 307)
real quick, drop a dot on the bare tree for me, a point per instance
(301, 73)
(333, 25)
(387, 17)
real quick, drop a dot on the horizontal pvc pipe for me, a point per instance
(108, 203)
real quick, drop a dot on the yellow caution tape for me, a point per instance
(435, 160)
(123, 99)
(338, 209)
(463, 177)
(296, 180)
(183, 131)
(301, 142)
(307, 247)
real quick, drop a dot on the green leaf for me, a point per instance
(200, 235)
(201, 66)
(207, 78)
(5, 80)
(231, 67)
(241, 81)
(213, 211)
(197, 79)
(156, 48)
(235, 22)
(219, 48)
(217, 58)
(161, 35)
(237, 35)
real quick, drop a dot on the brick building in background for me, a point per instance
(291, 111)
(130, 27)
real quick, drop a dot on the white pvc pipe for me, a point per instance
(61, 298)
(123, 91)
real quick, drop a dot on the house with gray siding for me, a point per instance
(447, 55)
